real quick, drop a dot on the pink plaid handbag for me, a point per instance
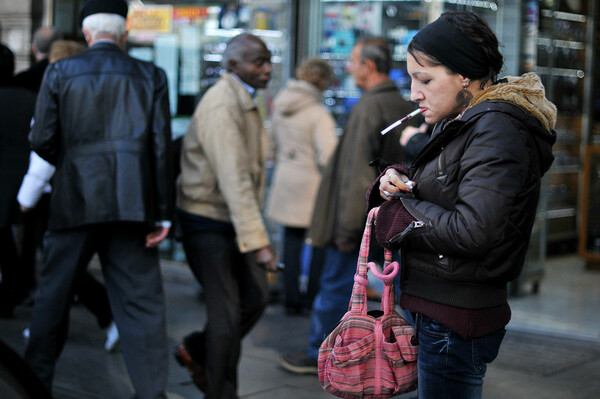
(370, 354)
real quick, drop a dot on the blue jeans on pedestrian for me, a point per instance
(451, 367)
(333, 297)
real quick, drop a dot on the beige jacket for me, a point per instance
(223, 162)
(302, 140)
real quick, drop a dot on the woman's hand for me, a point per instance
(394, 182)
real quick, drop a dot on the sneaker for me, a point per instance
(112, 338)
(299, 363)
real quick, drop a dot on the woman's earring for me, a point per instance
(464, 97)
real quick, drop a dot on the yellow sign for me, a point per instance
(190, 12)
(157, 19)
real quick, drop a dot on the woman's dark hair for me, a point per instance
(479, 32)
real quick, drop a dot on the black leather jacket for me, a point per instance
(103, 119)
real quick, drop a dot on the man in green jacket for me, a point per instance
(339, 216)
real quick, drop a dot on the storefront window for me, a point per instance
(186, 39)
(333, 27)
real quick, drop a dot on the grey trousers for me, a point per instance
(135, 291)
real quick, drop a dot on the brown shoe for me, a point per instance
(197, 372)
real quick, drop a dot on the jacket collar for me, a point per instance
(380, 88)
(526, 92)
(244, 99)
(522, 98)
(105, 44)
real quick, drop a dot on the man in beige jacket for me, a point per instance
(220, 192)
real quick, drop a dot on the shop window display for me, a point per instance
(559, 55)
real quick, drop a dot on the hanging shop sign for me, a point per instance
(150, 19)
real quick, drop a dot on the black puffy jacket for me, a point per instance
(103, 119)
(478, 184)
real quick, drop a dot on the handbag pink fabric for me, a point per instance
(370, 354)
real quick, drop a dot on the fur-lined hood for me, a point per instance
(527, 92)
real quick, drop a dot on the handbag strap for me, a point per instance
(358, 302)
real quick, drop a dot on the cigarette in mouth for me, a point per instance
(400, 121)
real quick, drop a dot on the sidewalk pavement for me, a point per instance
(530, 365)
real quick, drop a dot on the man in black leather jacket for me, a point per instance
(102, 118)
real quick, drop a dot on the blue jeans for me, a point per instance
(333, 297)
(451, 367)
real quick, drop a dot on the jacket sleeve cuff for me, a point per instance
(252, 242)
(392, 219)
(373, 197)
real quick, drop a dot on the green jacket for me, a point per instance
(339, 212)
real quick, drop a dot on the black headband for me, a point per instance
(452, 48)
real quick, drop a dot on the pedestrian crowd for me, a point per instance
(88, 169)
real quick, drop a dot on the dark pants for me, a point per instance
(334, 294)
(295, 299)
(11, 290)
(93, 296)
(236, 293)
(451, 366)
(34, 227)
(134, 286)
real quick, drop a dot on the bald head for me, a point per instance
(249, 58)
(42, 41)
(237, 48)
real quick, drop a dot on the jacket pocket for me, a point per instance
(401, 358)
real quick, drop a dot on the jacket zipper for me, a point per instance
(416, 224)
(439, 163)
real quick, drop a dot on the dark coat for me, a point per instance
(477, 191)
(16, 109)
(103, 120)
(339, 207)
(31, 78)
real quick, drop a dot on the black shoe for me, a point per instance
(197, 371)
(299, 363)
